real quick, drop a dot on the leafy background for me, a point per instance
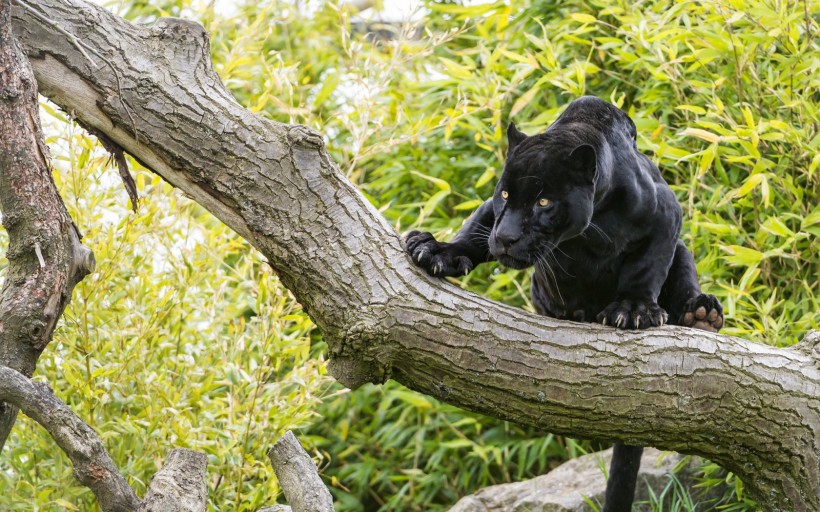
(185, 338)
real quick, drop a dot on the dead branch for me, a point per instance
(298, 477)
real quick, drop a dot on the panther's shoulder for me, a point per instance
(605, 117)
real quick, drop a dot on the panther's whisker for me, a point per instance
(556, 248)
(480, 238)
(544, 264)
(600, 231)
(555, 260)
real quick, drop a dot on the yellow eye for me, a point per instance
(504, 194)
(543, 202)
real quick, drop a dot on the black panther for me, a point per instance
(595, 218)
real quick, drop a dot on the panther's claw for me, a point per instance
(632, 314)
(437, 258)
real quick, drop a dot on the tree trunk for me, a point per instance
(754, 409)
(46, 259)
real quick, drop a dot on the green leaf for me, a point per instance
(751, 182)
(469, 205)
(776, 226)
(438, 182)
(583, 18)
(328, 86)
(739, 255)
(486, 176)
(522, 101)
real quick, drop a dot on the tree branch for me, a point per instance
(298, 477)
(93, 466)
(46, 259)
(180, 485)
(751, 408)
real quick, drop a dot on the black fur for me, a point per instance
(605, 244)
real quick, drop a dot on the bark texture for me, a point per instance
(180, 485)
(298, 476)
(754, 409)
(46, 259)
(92, 465)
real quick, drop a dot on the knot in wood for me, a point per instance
(359, 334)
(11, 220)
(38, 334)
(188, 38)
(84, 262)
(9, 92)
(304, 136)
(809, 345)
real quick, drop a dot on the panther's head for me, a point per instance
(545, 195)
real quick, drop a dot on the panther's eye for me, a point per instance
(504, 194)
(543, 202)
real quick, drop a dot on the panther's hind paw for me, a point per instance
(703, 312)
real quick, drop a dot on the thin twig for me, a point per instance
(39, 253)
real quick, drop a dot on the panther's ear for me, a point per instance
(514, 137)
(583, 161)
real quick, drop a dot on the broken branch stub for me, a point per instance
(298, 476)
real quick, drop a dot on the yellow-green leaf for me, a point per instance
(739, 255)
(583, 18)
(440, 183)
(469, 205)
(522, 101)
(702, 134)
(776, 226)
(485, 177)
(750, 183)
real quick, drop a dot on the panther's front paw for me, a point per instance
(437, 258)
(703, 312)
(633, 314)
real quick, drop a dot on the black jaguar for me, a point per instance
(595, 218)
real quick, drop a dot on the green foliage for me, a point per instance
(183, 338)
(725, 98)
(391, 449)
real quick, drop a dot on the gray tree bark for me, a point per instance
(93, 466)
(754, 409)
(180, 485)
(46, 258)
(298, 476)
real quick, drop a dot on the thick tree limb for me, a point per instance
(180, 485)
(298, 476)
(92, 465)
(46, 259)
(753, 409)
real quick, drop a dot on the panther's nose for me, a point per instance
(506, 239)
